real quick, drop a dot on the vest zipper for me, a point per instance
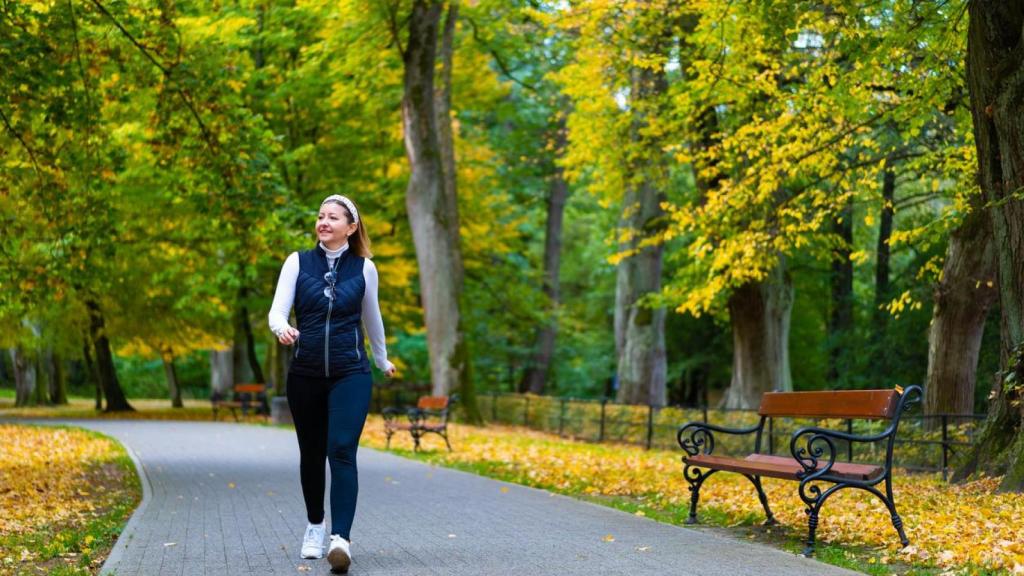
(358, 355)
(327, 340)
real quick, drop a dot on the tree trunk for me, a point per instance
(172, 379)
(879, 312)
(116, 401)
(879, 315)
(536, 376)
(59, 382)
(24, 377)
(44, 375)
(840, 322)
(6, 374)
(246, 365)
(221, 372)
(278, 356)
(760, 314)
(995, 77)
(962, 300)
(431, 201)
(640, 330)
(92, 371)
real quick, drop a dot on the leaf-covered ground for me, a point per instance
(953, 529)
(65, 495)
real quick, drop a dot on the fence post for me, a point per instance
(526, 412)
(650, 424)
(849, 445)
(600, 436)
(945, 447)
(494, 406)
(704, 409)
(561, 416)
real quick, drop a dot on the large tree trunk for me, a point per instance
(221, 372)
(536, 376)
(116, 401)
(172, 379)
(640, 330)
(24, 376)
(962, 300)
(431, 200)
(840, 322)
(995, 75)
(760, 314)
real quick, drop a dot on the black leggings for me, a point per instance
(329, 415)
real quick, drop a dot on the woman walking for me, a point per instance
(333, 288)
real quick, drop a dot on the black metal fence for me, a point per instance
(925, 442)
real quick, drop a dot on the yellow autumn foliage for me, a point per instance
(951, 526)
(44, 476)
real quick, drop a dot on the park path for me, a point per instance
(223, 499)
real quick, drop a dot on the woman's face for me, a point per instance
(332, 225)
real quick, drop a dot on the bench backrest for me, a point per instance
(876, 404)
(432, 403)
(250, 388)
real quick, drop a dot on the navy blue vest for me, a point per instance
(330, 341)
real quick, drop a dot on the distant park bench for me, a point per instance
(812, 462)
(244, 398)
(430, 416)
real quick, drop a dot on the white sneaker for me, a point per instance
(313, 541)
(338, 555)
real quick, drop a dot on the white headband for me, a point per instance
(348, 204)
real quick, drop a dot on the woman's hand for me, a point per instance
(390, 370)
(288, 336)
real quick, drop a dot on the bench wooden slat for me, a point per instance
(432, 403)
(845, 469)
(831, 404)
(782, 467)
(249, 388)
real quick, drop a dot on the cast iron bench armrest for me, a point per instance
(701, 436)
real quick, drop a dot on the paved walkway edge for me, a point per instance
(114, 559)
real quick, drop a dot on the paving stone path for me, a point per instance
(223, 499)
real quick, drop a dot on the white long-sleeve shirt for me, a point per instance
(373, 324)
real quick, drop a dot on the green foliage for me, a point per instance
(158, 159)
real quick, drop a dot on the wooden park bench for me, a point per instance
(430, 416)
(813, 450)
(245, 397)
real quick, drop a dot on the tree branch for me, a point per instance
(31, 154)
(392, 10)
(168, 74)
(497, 57)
